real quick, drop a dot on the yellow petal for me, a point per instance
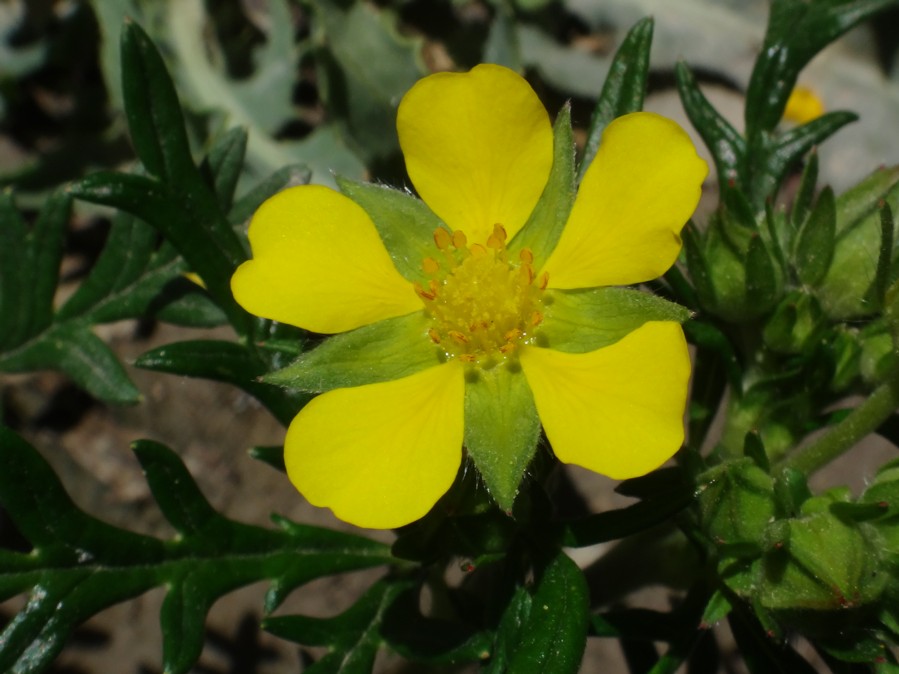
(619, 410)
(318, 263)
(478, 148)
(638, 193)
(381, 455)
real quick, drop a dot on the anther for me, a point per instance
(544, 280)
(459, 239)
(442, 238)
(507, 347)
(467, 357)
(422, 293)
(477, 250)
(430, 265)
(536, 318)
(458, 336)
(526, 272)
(434, 335)
(526, 256)
(512, 335)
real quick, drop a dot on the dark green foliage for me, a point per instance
(80, 565)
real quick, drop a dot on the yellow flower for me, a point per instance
(803, 106)
(466, 316)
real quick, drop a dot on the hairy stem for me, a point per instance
(863, 420)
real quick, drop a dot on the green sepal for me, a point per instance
(554, 634)
(406, 224)
(718, 608)
(881, 282)
(228, 362)
(541, 232)
(273, 455)
(578, 321)
(501, 428)
(754, 448)
(698, 266)
(382, 351)
(736, 501)
(802, 203)
(763, 278)
(821, 563)
(624, 88)
(815, 241)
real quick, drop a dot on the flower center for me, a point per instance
(482, 304)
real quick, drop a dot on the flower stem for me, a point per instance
(863, 420)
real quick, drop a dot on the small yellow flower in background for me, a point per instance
(472, 317)
(803, 106)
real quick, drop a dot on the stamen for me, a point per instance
(458, 336)
(544, 280)
(482, 304)
(430, 265)
(442, 238)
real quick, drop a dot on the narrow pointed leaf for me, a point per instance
(224, 361)
(14, 286)
(624, 88)
(802, 203)
(225, 163)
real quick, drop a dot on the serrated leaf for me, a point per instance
(228, 362)
(353, 637)
(81, 565)
(75, 350)
(624, 88)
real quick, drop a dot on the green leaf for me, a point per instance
(502, 46)
(669, 498)
(81, 565)
(75, 350)
(284, 177)
(353, 637)
(762, 278)
(228, 362)
(543, 228)
(624, 88)
(364, 68)
(762, 653)
(406, 225)
(501, 429)
(225, 162)
(382, 351)
(578, 321)
(881, 282)
(802, 203)
(816, 240)
(726, 145)
(554, 635)
(13, 284)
